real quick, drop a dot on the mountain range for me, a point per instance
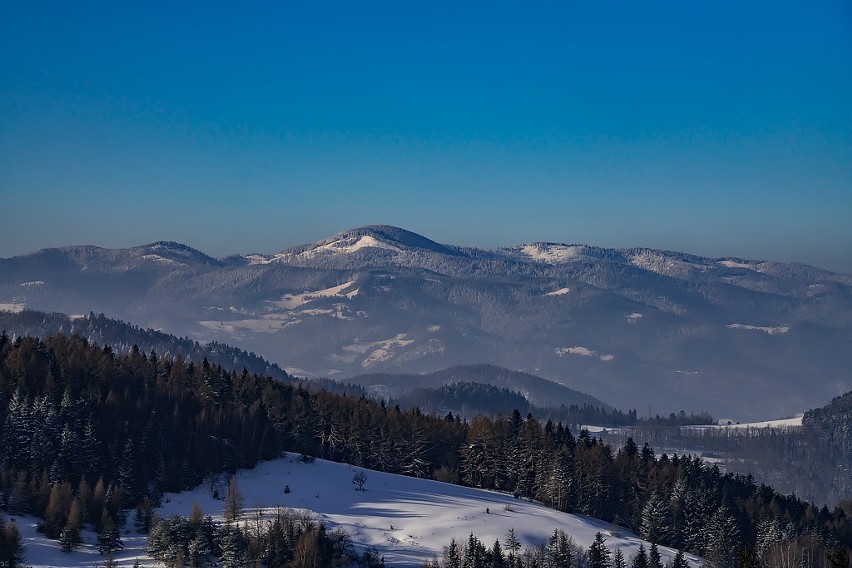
(639, 328)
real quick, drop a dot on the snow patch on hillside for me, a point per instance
(736, 264)
(560, 292)
(633, 318)
(14, 307)
(34, 283)
(293, 301)
(777, 330)
(162, 260)
(794, 422)
(41, 552)
(582, 352)
(379, 351)
(551, 253)
(655, 261)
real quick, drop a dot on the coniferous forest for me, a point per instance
(88, 436)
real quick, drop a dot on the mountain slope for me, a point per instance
(654, 330)
(536, 390)
(122, 337)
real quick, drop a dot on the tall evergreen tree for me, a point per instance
(599, 555)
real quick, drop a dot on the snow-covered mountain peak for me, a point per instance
(381, 239)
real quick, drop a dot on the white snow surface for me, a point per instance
(582, 352)
(407, 520)
(551, 253)
(13, 307)
(560, 292)
(41, 552)
(735, 264)
(777, 330)
(292, 301)
(794, 422)
(379, 351)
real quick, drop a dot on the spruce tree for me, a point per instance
(109, 539)
(654, 559)
(641, 558)
(618, 560)
(679, 561)
(599, 555)
(656, 519)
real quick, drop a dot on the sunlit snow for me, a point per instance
(777, 330)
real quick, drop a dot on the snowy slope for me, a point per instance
(408, 520)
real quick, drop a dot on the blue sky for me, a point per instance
(719, 128)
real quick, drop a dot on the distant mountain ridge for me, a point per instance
(640, 328)
(536, 390)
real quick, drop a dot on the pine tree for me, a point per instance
(513, 545)
(679, 561)
(69, 538)
(654, 559)
(452, 558)
(641, 558)
(497, 558)
(599, 555)
(656, 519)
(474, 553)
(618, 560)
(839, 558)
(109, 539)
(233, 544)
(723, 539)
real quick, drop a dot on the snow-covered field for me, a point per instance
(793, 422)
(408, 520)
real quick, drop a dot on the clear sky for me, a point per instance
(719, 128)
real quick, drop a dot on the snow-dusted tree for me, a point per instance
(562, 551)
(513, 545)
(599, 555)
(768, 533)
(618, 560)
(233, 544)
(109, 539)
(722, 539)
(452, 556)
(656, 519)
(473, 555)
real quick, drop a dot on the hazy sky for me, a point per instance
(720, 128)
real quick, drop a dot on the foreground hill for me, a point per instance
(637, 328)
(407, 521)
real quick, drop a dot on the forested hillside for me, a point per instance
(87, 433)
(813, 461)
(121, 337)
